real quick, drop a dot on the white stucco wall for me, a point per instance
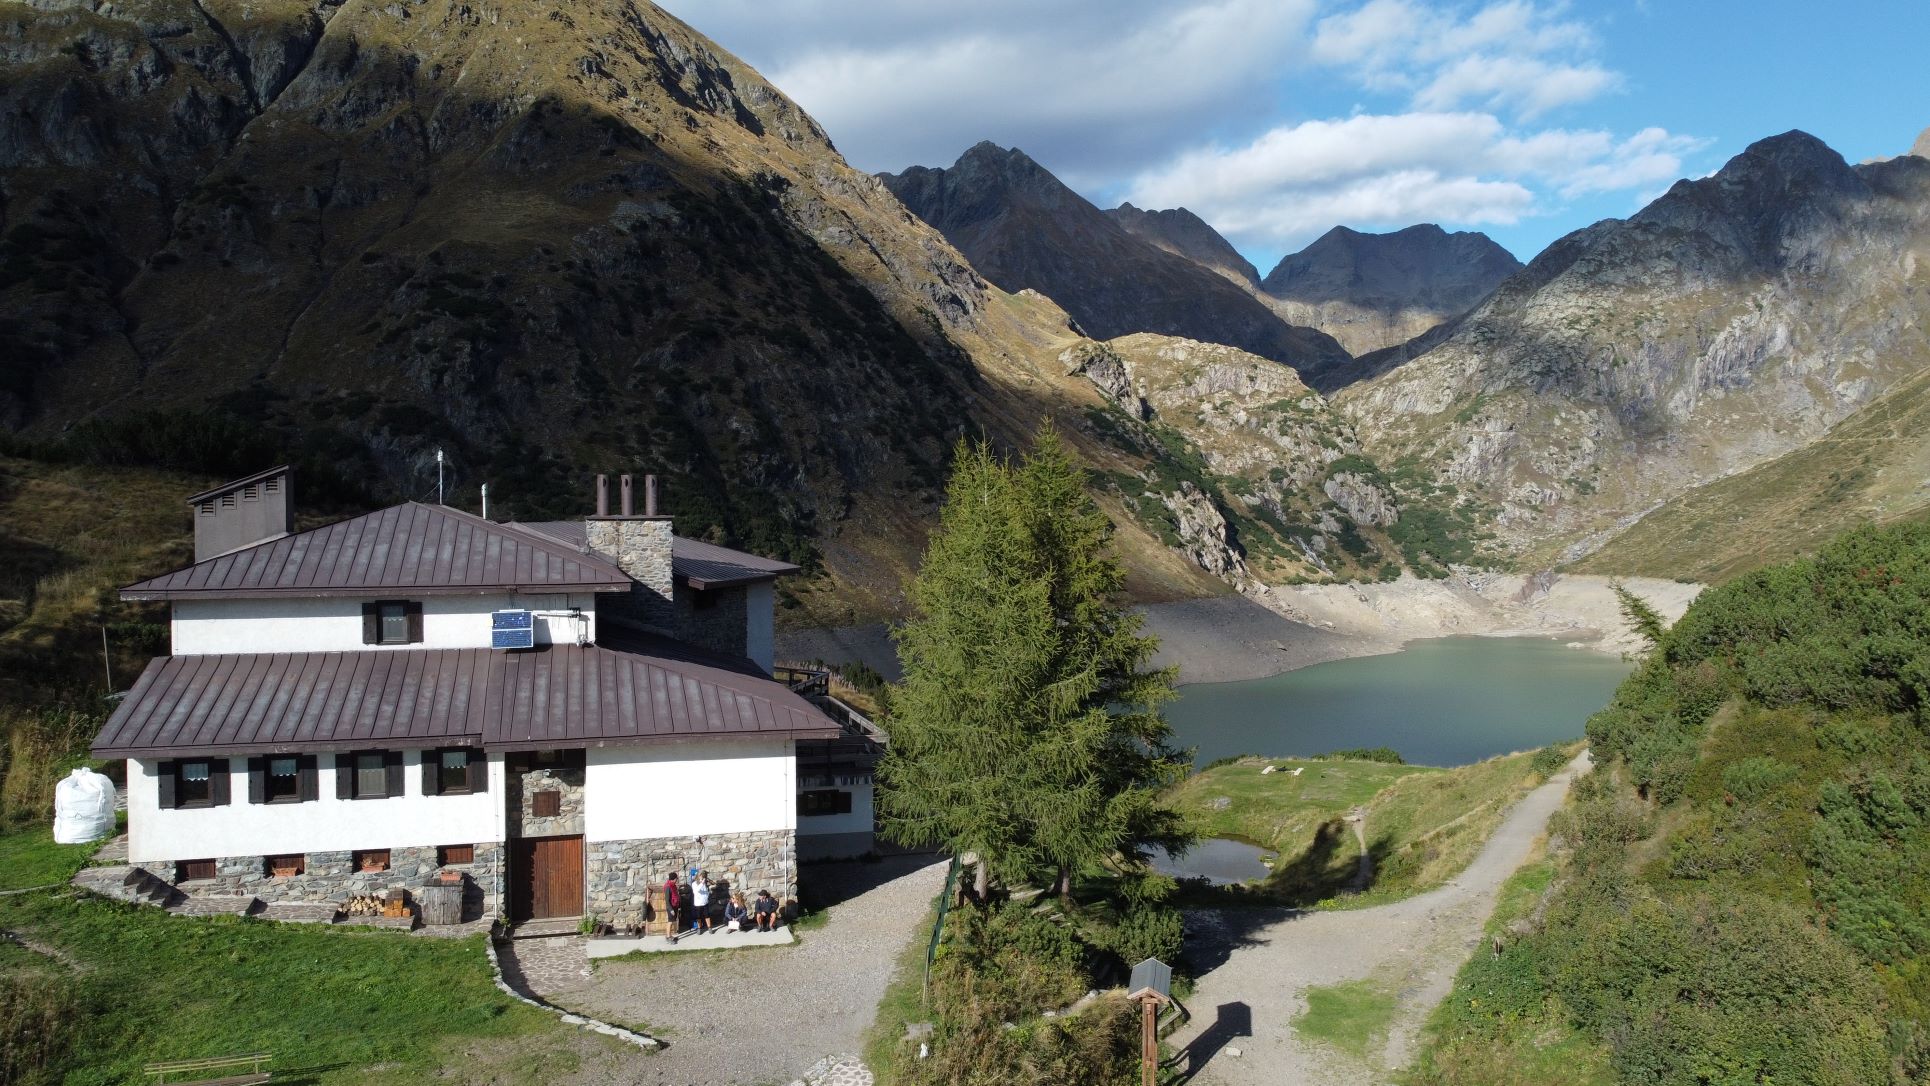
(202, 627)
(689, 789)
(326, 824)
(858, 821)
(759, 621)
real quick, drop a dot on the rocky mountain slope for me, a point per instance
(1921, 148)
(1182, 233)
(548, 240)
(1372, 291)
(1024, 229)
(1733, 320)
(1251, 473)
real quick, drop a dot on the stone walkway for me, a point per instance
(757, 1015)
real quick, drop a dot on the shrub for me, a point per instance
(1367, 754)
(1549, 760)
(37, 1022)
(1148, 931)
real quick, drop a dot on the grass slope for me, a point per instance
(1423, 825)
(1870, 467)
(136, 985)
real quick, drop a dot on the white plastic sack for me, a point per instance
(83, 807)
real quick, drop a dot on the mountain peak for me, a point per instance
(1182, 233)
(1921, 148)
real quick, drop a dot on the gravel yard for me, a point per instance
(754, 1016)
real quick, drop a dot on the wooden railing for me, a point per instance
(218, 1071)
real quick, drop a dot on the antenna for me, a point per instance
(438, 475)
(485, 492)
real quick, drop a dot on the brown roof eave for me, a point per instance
(238, 750)
(511, 746)
(707, 583)
(131, 594)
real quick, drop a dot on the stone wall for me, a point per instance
(331, 877)
(720, 625)
(641, 547)
(566, 780)
(621, 873)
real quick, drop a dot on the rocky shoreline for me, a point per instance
(1282, 628)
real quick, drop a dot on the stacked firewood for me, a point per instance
(364, 905)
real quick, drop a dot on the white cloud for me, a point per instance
(1456, 168)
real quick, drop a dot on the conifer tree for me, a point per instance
(1027, 727)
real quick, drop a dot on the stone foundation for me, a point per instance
(330, 877)
(620, 874)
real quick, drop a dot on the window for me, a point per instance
(281, 778)
(280, 867)
(824, 801)
(284, 783)
(452, 772)
(546, 804)
(455, 854)
(193, 784)
(392, 622)
(371, 776)
(372, 859)
(188, 870)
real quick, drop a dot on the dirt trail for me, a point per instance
(1260, 962)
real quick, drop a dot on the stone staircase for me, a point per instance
(124, 882)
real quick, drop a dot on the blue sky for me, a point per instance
(1277, 119)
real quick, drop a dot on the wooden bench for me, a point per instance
(219, 1071)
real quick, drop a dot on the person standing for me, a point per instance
(673, 903)
(700, 901)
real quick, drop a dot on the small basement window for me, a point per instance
(194, 785)
(824, 801)
(284, 781)
(281, 867)
(189, 870)
(455, 854)
(372, 859)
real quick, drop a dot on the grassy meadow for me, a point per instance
(1422, 824)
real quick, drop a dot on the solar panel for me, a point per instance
(512, 630)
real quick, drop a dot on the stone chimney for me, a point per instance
(639, 543)
(243, 513)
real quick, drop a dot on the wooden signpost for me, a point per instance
(1152, 987)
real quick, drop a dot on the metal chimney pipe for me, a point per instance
(603, 495)
(625, 502)
(650, 495)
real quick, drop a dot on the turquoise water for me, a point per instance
(1443, 701)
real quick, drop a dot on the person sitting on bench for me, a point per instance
(736, 916)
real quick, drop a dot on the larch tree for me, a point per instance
(1027, 727)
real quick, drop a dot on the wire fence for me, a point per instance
(944, 905)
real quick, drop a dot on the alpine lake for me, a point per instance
(1440, 701)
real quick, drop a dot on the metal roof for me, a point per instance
(704, 565)
(557, 696)
(414, 548)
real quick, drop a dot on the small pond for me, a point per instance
(1219, 861)
(1444, 701)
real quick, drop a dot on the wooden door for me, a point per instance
(547, 878)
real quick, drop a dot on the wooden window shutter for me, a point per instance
(218, 792)
(431, 764)
(257, 780)
(305, 774)
(412, 611)
(345, 775)
(478, 771)
(392, 763)
(166, 772)
(371, 624)
(546, 804)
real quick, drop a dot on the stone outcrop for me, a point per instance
(1202, 530)
(1361, 498)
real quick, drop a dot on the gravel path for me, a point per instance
(758, 1015)
(1261, 961)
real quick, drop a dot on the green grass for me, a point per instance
(1352, 1017)
(331, 1004)
(1423, 825)
(29, 857)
